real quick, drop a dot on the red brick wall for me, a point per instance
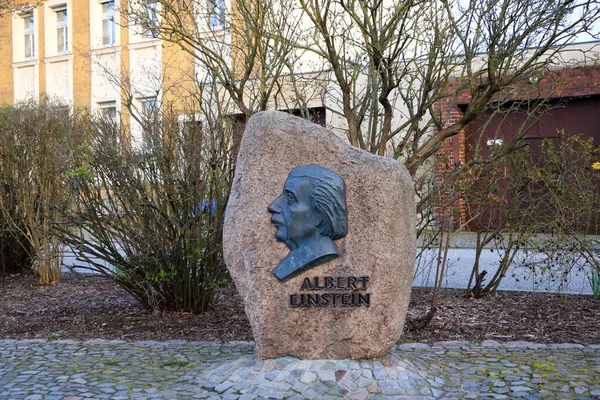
(572, 82)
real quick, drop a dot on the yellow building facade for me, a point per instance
(85, 54)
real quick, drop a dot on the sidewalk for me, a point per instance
(528, 272)
(98, 369)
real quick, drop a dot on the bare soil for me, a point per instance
(90, 306)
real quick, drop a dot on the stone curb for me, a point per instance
(456, 344)
(132, 342)
(449, 344)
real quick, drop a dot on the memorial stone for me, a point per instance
(320, 240)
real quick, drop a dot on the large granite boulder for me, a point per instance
(350, 304)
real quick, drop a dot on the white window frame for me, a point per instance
(152, 18)
(105, 106)
(28, 35)
(216, 13)
(109, 16)
(149, 107)
(64, 27)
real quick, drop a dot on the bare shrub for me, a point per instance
(567, 189)
(521, 203)
(34, 144)
(150, 215)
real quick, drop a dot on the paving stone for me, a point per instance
(360, 394)
(222, 387)
(310, 394)
(567, 346)
(320, 388)
(364, 382)
(295, 397)
(308, 377)
(299, 387)
(413, 346)
(452, 344)
(520, 389)
(390, 388)
(326, 376)
(380, 374)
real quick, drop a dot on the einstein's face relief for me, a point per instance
(295, 219)
(309, 215)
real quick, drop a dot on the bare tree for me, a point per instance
(382, 67)
(230, 45)
(404, 55)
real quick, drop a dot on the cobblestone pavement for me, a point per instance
(75, 370)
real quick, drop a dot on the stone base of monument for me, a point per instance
(289, 377)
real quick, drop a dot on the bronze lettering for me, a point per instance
(334, 297)
(306, 284)
(364, 280)
(364, 299)
(313, 300)
(316, 285)
(352, 282)
(294, 300)
(329, 282)
(346, 301)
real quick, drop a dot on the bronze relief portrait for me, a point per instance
(309, 215)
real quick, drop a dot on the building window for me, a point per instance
(149, 107)
(28, 33)
(150, 116)
(151, 19)
(108, 23)
(62, 33)
(108, 110)
(216, 13)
